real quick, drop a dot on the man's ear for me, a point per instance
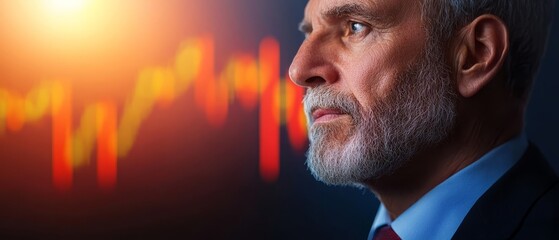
(481, 49)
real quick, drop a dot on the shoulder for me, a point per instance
(542, 221)
(523, 204)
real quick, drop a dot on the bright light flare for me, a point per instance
(65, 6)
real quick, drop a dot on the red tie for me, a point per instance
(386, 233)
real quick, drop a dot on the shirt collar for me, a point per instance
(446, 205)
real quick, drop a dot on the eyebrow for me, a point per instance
(342, 11)
(350, 10)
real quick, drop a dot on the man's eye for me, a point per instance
(356, 27)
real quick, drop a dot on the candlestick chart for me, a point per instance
(253, 82)
(97, 131)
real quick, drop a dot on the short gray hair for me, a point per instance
(528, 22)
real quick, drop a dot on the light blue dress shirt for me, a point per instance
(438, 213)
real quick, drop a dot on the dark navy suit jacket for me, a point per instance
(523, 204)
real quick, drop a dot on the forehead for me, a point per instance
(386, 9)
(320, 6)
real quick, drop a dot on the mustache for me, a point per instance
(327, 98)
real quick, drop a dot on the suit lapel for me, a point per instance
(498, 213)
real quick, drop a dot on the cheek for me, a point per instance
(369, 77)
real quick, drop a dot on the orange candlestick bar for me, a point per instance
(106, 145)
(269, 112)
(204, 83)
(296, 122)
(62, 169)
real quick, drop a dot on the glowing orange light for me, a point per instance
(65, 6)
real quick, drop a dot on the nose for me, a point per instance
(313, 65)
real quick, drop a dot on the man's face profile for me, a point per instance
(423, 103)
(378, 88)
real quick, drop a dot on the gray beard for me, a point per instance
(418, 113)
